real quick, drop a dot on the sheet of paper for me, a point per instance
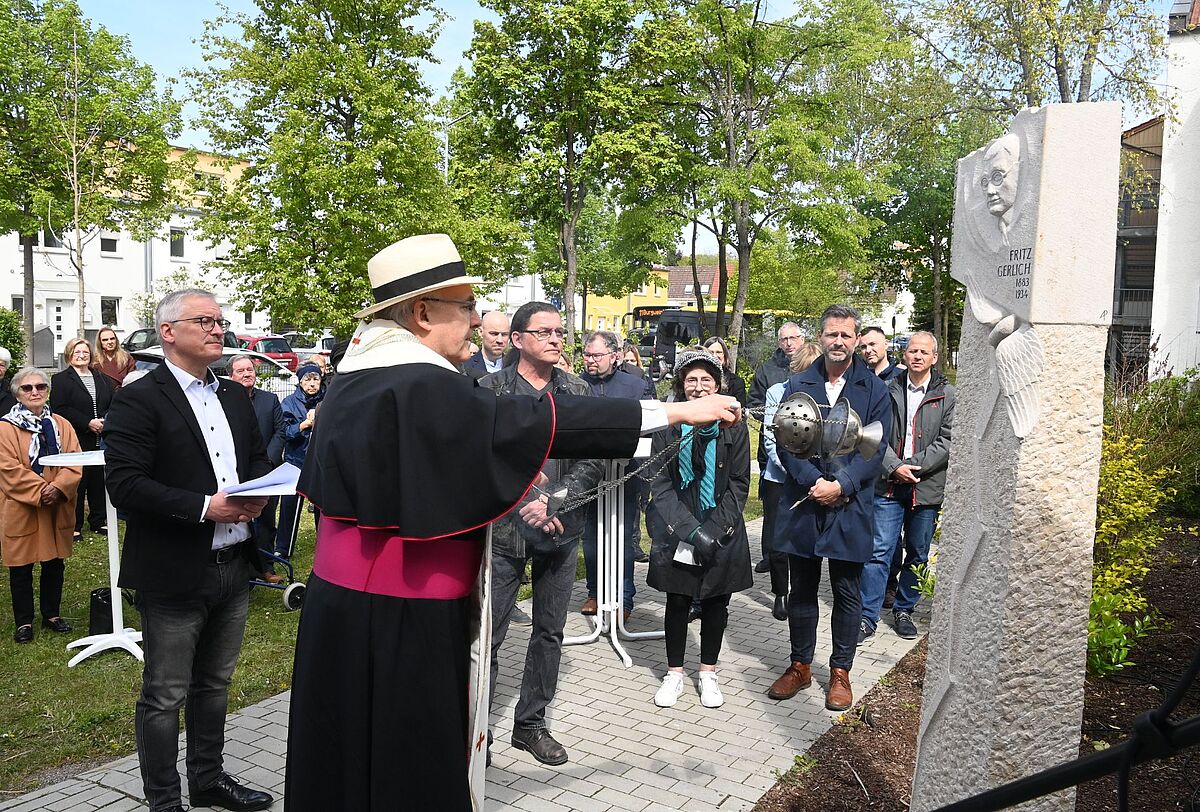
(686, 554)
(74, 458)
(280, 482)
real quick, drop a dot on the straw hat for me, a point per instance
(412, 267)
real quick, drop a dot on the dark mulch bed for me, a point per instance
(866, 761)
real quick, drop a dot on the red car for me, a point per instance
(276, 347)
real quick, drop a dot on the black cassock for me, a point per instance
(379, 708)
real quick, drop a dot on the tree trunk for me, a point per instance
(939, 320)
(570, 259)
(741, 225)
(77, 261)
(695, 269)
(722, 286)
(27, 261)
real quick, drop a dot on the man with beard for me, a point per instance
(831, 511)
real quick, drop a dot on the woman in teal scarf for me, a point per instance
(695, 521)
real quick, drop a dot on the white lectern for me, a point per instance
(610, 564)
(119, 637)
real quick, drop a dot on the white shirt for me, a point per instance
(833, 391)
(218, 438)
(492, 366)
(913, 397)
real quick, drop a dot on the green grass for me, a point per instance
(51, 715)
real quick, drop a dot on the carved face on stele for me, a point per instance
(1001, 167)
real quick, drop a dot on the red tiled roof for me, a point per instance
(679, 281)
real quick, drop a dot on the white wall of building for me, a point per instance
(1175, 321)
(112, 279)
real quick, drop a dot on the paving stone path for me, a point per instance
(626, 754)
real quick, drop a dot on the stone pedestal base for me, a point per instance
(1004, 682)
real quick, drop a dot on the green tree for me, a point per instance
(759, 113)
(325, 100)
(557, 85)
(12, 336)
(83, 135)
(783, 277)
(1022, 53)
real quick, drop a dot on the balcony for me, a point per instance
(1132, 306)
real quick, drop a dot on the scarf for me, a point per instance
(383, 343)
(42, 430)
(708, 448)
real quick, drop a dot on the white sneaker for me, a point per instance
(670, 690)
(710, 694)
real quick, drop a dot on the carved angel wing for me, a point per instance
(1020, 358)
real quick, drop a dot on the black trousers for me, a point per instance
(713, 619)
(91, 485)
(804, 611)
(769, 493)
(20, 580)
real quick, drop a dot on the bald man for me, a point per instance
(493, 333)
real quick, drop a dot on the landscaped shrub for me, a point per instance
(1128, 529)
(1166, 414)
(12, 336)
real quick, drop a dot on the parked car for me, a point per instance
(307, 346)
(276, 347)
(273, 376)
(145, 337)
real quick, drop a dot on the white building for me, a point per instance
(1175, 321)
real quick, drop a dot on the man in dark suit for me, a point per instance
(270, 426)
(494, 334)
(176, 439)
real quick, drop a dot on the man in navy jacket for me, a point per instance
(602, 362)
(826, 511)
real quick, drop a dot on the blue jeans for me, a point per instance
(893, 517)
(919, 523)
(632, 487)
(191, 644)
(553, 576)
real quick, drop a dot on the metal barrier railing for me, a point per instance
(1154, 736)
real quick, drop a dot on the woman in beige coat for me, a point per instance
(39, 511)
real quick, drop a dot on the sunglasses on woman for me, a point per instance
(29, 387)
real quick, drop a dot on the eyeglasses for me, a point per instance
(783, 339)
(29, 387)
(207, 323)
(544, 333)
(467, 305)
(596, 356)
(993, 178)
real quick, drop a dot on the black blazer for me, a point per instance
(71, 399)
(158, 471)
(270, 423)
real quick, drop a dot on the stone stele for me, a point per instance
(1034, 234)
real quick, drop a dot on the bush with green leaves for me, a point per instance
(1128, 528)
(1165, 413)
(12, 335)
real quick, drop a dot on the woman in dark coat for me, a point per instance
(82, 395)
(696, 507)
(731, 382)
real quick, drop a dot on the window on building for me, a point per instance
(108, 243)
(18, 304)
(704, 290)
(110, 309)
(687, 288)
(248, 316)
(49, 240)
(177, 242)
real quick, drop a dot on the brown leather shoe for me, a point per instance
(589, 607)
(839, 696)
(794, 680)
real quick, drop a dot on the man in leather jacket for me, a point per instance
(532, 532)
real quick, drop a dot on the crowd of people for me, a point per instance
(437, 472)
